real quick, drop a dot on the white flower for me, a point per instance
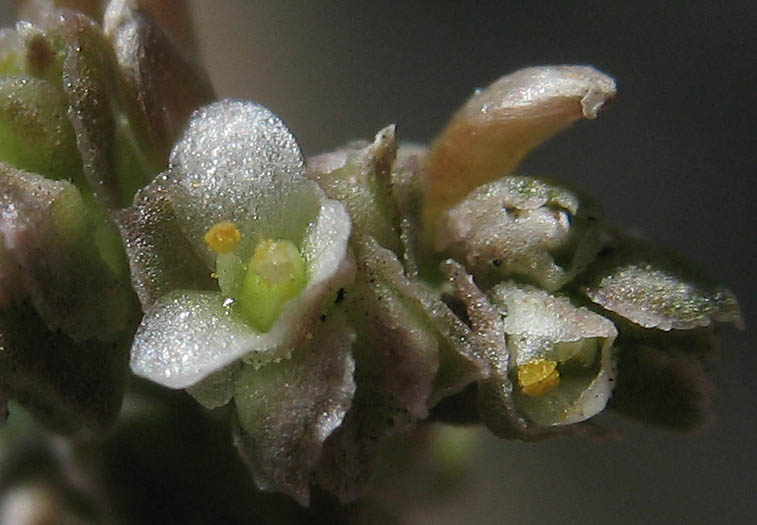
(236, 192)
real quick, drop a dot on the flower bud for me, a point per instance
(523, 227)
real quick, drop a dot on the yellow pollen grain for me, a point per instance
(538, 377)
(223, 237)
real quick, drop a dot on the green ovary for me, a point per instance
(275, 273)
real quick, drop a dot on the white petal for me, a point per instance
(528, 310)
(238, 162)
(188, 335)
(325, 245)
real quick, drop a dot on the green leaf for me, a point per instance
(656, 289)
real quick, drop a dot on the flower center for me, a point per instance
(538, 377)
(275, 273)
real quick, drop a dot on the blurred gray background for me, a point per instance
(674, 157)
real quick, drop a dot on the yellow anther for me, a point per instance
(223, 237)
(538, 377)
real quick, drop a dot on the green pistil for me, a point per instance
(275, 274)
